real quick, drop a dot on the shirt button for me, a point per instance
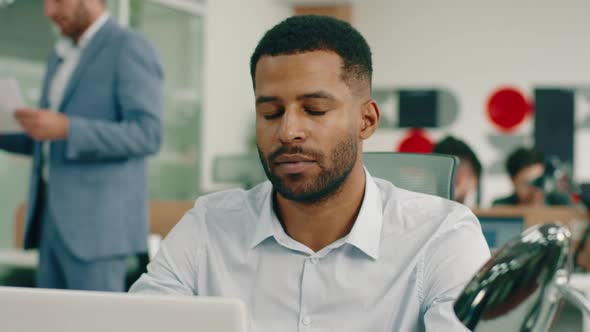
(314, 260)
(306, 320)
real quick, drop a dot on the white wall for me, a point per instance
(471, 47)
(233, 28)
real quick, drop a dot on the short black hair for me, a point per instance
(307, 33)
(456, 147)
(523, 157)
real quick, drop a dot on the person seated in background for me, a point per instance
(323, 245)
(469, 172)
(526, 168)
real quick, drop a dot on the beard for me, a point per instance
(80, 21)
(334, 170)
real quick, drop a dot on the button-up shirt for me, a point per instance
(400, 268)
(69, 55)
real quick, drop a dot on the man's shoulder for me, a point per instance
(130, 38)
(130, 34)
(408, 210)
(127, 37)
(416, 201)
(233, 206)
(233, 199)
(229, 214)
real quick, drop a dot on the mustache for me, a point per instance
(294, 150)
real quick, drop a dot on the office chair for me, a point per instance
(426, 173)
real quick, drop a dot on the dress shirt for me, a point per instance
(69, 55)
(400, 268)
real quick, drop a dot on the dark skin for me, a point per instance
(73, 17)
(302, 101)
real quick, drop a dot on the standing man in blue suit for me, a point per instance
(100, 117)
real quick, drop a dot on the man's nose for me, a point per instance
(292, 129)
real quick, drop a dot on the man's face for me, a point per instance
(71, 16)
(306, 124)
(526, 192)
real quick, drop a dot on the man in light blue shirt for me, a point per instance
(322, 246)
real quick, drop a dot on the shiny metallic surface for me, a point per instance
(517, 289)
(575, 297)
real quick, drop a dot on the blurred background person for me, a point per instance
(526, 168)
(469, 172)
(99, 117)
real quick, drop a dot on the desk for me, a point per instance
(16, 258)
(576, 219)
(28, 259)
(537, 215)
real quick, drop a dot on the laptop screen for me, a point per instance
(499, 230)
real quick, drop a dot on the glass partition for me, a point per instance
(174, 172)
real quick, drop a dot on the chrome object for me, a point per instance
(520, 288)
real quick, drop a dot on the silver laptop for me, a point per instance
(31, 310)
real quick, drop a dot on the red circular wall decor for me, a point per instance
(507, 108)
(416, 141)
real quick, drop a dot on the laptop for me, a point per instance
(498, 230)
(33, 309)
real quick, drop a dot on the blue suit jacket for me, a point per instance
(97, 187)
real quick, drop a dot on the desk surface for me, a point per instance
(536, 215)
(28, 259)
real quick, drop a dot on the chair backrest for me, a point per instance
(426, 173)
(32, 309)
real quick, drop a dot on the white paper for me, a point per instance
(10, 99)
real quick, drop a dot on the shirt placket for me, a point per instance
(310, 294)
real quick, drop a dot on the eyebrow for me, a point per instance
(266, 99)
(311, 95)
(316, 95)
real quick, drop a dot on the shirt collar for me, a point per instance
(365, 234)
(366, 231)
(65, 46)
(266, 226)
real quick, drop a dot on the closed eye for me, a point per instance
(314, 112)
(274, 115)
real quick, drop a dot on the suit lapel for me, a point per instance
(52, 63)
(87, 57)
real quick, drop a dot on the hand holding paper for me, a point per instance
(42, 125)
(10, 100)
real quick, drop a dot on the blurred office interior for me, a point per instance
(451, 58)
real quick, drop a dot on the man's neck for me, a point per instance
(94, 16)
(318, 225)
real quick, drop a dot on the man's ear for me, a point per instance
(370, 116)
